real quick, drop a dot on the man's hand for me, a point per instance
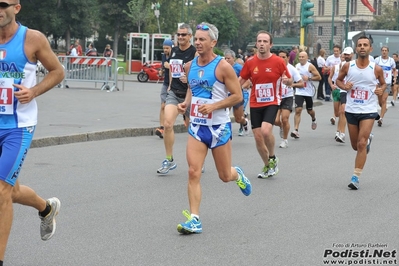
(378, 90)
(182, 107)
(24, 95)
(206, 109)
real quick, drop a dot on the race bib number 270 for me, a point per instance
(6, 97)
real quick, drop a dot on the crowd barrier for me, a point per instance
(103, 70)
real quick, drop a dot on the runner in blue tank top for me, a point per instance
(210, 81)
(20, 49)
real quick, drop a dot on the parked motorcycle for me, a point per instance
(150, 72)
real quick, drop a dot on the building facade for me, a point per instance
(329, 19)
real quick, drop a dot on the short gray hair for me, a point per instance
(186, 26)
(213, 31)
(230, 52)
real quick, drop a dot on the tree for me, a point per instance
(388, 21)
(67, 18)
(224, 20)
(138, 11)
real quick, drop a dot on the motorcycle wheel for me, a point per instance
(142, 77)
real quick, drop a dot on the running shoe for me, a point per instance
(336, 135)
(265, 172)
(295, 134)
(379, 122)
(48, 224)
(332, 120)
(369, 142)
(314, 125)
(273, 169)
(191, 226)
(166, 166)
(284, 143)
(241, 131)
(203, 168)
(243, 182)
(340, 138)
(159, 132)
(392, 103)
(354, 184)
(246, 126)
(281, 132)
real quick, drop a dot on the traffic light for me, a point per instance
(306, 13)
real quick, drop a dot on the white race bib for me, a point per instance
(6, 96)
(176, 68)
(264, 93)
(197, 117)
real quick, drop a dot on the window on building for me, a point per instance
(395, 5)
(336, 7)
(377, 4)
(321, 8)
(353, 5)
(319, 31)
(335, 30)
(353, 28)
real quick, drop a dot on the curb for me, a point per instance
(109, 134)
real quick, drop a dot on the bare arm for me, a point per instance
(38, 48)
(330, 78)
(340, 79)
(315, 73)
(379, 74)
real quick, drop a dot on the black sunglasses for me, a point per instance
(5, 5)
(182, 34)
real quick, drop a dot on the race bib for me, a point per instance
(195, 116)
(176, 68)
(359, 95)
(6, 96)
(264, 93)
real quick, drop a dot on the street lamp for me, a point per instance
(188, 4)
(230, 1)
(156, 7)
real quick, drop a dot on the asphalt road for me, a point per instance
(117, 211)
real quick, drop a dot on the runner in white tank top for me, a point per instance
(388, 66)
(335, 90)
(361, 106)
(308, 73)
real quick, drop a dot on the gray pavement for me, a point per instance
(117, 211)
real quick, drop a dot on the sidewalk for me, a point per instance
(83, 113)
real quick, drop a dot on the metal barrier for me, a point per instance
(91, 69)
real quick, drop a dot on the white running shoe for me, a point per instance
(284, 144)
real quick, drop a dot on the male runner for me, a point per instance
(287, 100)
(167, 49)
(238, 109)
(21, 48)
(331, 61)
(388, 65)
(361, 78)
(266, 71)
(308, 73)
(177, 90)
(211, 80)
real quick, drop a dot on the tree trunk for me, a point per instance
(68, 39)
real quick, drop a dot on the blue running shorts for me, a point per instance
(212, 136)
(14, 145)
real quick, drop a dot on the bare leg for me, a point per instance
(169, 134)
(6, 215)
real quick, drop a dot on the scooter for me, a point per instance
(150, 72)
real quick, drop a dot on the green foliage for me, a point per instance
(388, 21)
(224, 20)
(138, 11)
(218, 51)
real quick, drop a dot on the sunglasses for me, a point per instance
(182, 34)
(5, 5)
(202, 27)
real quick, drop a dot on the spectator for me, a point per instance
(78, 48)
(292, 54)
(91, 51)
(108, 52)
(74, 51)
